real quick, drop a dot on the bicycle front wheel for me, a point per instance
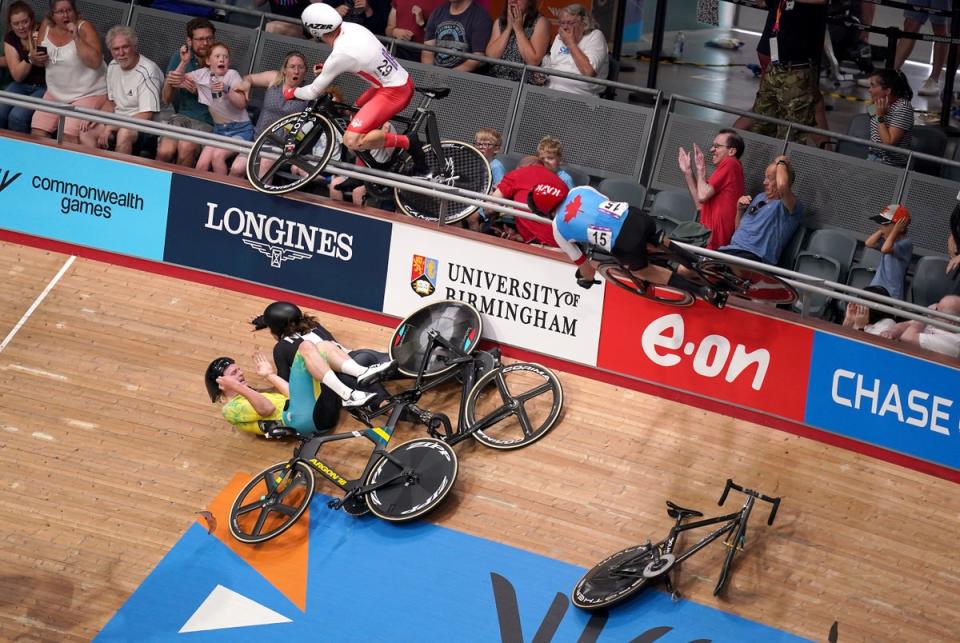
(281, 161)
(622, 278)
(747, 283)
(614, 579)
(272, 502)
(417, 476)
(514, 405)
(461, 166)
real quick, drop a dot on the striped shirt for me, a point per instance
(900, 115)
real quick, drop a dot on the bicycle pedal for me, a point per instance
(334, 503)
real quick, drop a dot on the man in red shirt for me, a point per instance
(716, 197)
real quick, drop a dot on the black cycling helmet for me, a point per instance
(277, 316)
(215, 370)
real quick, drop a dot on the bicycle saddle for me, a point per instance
(434, 92)
(676, 511)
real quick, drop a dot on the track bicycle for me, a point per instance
(627, 572)
(501, 406)
(292, 151)
(738, 280)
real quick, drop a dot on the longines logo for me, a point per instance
(7, 179)
(279, 239)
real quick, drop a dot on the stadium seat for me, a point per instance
(931, 281)
(859, 127)
(836, 244)
(676, 204)
(579, 176)
(788, 256)
(928, 140)
(950, 172)
(613, 73)
(624, 190)
(822, 267)
(869, 258)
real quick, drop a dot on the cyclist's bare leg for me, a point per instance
(320, 368)
(372, 140)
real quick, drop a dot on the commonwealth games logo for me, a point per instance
(423, 275)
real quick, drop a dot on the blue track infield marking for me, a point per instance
(372, 581)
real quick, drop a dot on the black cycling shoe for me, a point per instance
(420, 167)
(714, 297)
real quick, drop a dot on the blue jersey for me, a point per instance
(587, 216)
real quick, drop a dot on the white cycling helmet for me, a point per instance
(320, 18)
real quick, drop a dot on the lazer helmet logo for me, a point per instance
(8, 180)
(319, 25)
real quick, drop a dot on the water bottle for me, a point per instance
(678, 45)
(215, 95)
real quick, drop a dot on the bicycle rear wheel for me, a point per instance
(418, 475)
(462, 166)
(281, 162)
(272, 502)
(622, 278)
(614, 579)
(747, 283)
(515, 405)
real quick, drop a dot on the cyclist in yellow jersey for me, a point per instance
(249, 410)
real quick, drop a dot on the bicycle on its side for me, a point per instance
(292, 151)
(501, 406)
(740, 281)
(625, 573)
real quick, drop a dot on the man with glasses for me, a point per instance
(716, 197)
(579, 48)
(181, 92)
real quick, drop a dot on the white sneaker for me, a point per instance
(376, 373)
(929, 88)
(357, 399)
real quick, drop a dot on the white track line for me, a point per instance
(36, 302)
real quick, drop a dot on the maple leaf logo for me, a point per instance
(572, 209)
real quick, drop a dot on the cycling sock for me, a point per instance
(335, 385)
(351, 367)
(676, 281)
(396, 140)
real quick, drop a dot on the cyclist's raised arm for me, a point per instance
(335, 65)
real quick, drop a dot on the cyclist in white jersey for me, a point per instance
(357, 51)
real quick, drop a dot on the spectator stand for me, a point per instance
(102, 14)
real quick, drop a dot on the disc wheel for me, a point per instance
(462, 166)
(515, 405)
(747, 283)
(418, 475)
(614, 579)
(457, 322)
(281, 161)
(622, 278)
(272, 502)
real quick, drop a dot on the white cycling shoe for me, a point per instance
(358, 399)
(376, 373)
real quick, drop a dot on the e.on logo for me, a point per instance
(663, 343)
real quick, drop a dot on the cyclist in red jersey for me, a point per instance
(356, 50)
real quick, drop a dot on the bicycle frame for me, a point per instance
(326, 107)
(465, 367)
(734, 521)
(380, 436)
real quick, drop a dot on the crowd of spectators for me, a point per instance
(60, 58)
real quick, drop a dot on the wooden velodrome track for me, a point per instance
(109, 447)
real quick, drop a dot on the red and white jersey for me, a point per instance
(356, 51)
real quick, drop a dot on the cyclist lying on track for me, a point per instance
(301, 339)
(249, 410)
(356, 50)
(585, 216)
